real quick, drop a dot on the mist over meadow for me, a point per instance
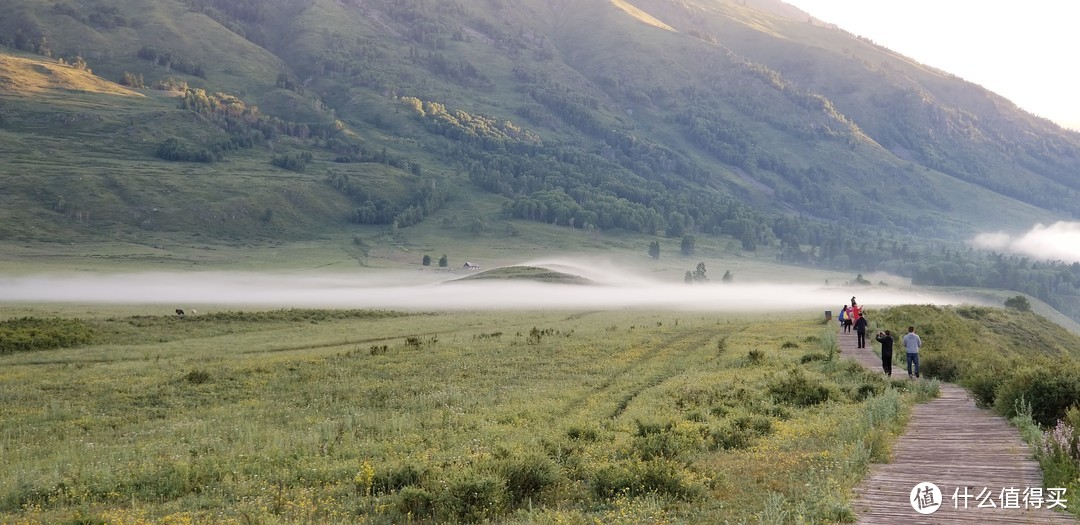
(445, 290)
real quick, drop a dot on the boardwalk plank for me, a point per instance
(954, 444)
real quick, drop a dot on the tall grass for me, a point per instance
(613, 416)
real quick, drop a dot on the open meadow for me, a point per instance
(378, 416)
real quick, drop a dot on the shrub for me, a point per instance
(983, 384)
(943, 367)
(386, 481)
(662, 477)
(813, 356)
(867, 390)
(416, 502)
(798, 390)
(1018, 302)
(755, 423)
(197, 377)
(528, 477)
(755, 356)
(730, 437)
(582, 433)
(669, 440)
(472, 497)
(1050, 390)
(32, 333)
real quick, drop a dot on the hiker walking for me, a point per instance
(912, 343)
(860, 329)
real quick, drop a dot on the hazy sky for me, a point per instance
(1020, 50)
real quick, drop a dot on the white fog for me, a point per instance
(1058, 242)
(430, 290)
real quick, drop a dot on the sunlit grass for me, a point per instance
(544, 417)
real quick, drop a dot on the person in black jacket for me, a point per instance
(860, 328)
(886, 340)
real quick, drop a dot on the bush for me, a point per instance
(386, 481)
(416, 502)
(1049, 390)
(798, 390)
(670, 440)
(32, 333)
(528, 477)
(730, 437)
(867, 390)
(1018, 302)
(197, 377)
(582, 433)
(662, 477)
(471, 498)
(942, 367)
(983, 384)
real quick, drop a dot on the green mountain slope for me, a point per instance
(258, 120)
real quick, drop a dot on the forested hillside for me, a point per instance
(280, 119)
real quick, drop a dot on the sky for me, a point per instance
(1022, 50)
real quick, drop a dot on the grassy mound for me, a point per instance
(528, 273)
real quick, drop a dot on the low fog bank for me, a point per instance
(428, 291)
(1058, 242)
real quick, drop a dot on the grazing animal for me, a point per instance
(179, 312)
(194, 311)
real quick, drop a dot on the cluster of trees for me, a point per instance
(573, 185)
(371, 209)
(457, 70)
(292, 161)
(1054, 282)
(226, 10)
(686, 247)
(443, 261)
(36, 43)
(171, 61)
(245, 126)
(132, 80)
(937, 264)
(100, 16)
(175, 150)
(479, 131)
(699, 275)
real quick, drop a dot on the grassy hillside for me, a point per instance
(271, 123)
(662, 97)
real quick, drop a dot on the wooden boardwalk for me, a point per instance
(960, 448)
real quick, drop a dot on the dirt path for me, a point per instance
(960, 448)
